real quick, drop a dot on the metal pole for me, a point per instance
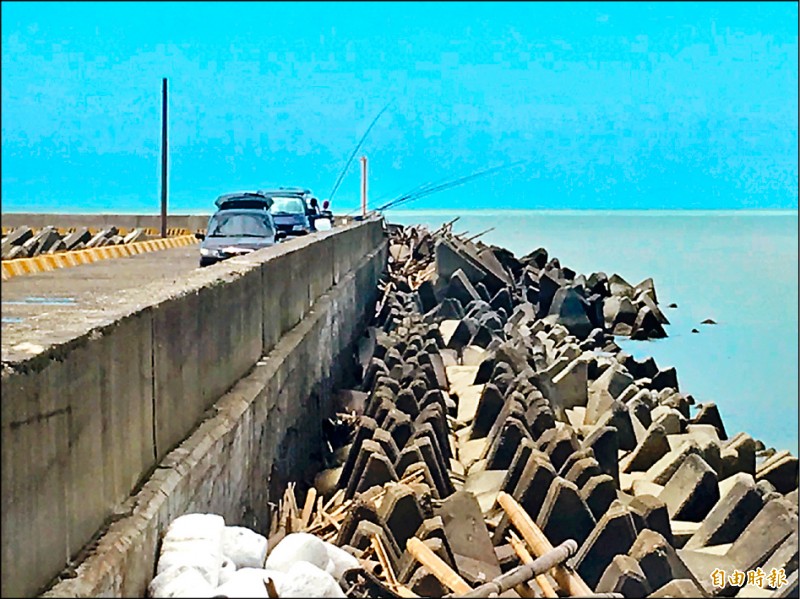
(363, 186)
(164, 157)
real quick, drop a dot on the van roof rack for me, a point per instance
(300, 191)
(246, 196)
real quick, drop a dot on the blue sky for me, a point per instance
(606, 105)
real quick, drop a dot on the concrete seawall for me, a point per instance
(87, 419)
(192, 222)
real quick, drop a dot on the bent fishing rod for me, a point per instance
(355, 151)
(427, 189)
(410, 197)
(418, 188)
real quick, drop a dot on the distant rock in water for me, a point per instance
(695, 331)
(708, 321)
(673, 305)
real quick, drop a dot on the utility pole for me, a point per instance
(363, 186)
(164, 157)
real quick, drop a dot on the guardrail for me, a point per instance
(47, 262)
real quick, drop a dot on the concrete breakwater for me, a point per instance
(492, 386)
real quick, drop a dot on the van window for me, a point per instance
(231, 224)
(288, 206)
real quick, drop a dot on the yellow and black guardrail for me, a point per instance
(47, 262)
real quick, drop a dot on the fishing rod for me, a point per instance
(355, 151)
(418, 189)
(429, 188)
(425, 187)
(444, 186)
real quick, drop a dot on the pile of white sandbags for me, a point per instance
(201, 557)
(311, 566)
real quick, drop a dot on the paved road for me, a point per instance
(32, 305)
(55, 307)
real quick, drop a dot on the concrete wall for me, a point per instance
(192, 222)
(30, 219)
(86, 421)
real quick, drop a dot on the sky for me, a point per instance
(594, 105)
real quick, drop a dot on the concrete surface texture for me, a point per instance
(104, 392)
(51, 307)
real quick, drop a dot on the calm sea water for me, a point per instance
(738, 268)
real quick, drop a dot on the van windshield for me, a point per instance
(288, 206)
(239, 225)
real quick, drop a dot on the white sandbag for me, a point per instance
(195, 526)
(204, 556)
(340, 561)
(180, 581)
(227, 570)
(242, 585)
(246, 548)
(307, 580)
(323, 224)
(194, 540)
(250, 582)
(295, 547)
(276, 576)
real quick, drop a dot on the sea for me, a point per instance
(738, 268)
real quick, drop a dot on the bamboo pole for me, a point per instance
(330, 537)
(404, 591)
(318, 513)
(336, 496)
(291, 501)
(436, 566)
(331, 521)
(525, 591)
(527, 558)
(566, 578)
(380, 552)
(522, 574)
(481, 234)
(447, 226)
(308, 507)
